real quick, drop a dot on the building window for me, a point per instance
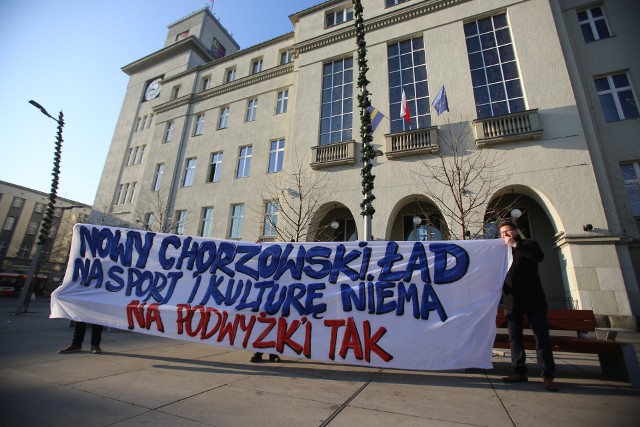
(9, 223)
(132, 195)
(189, 172)
(593, 24)
(631, 175)
(285, 57)
(206, 82)
(39, 208)
(206, 229)
(149, 218)
(408, 72)
(338, 17)
(57, 212)
(151, 116)
(18, 202)
(494, 70)
(129, 157)
(237, 216)
(389, 3)
(337, 101)
(276, 156)
(271, 218)
(144, 123)
(283, 100)
(616, 97)
(168, 132)
(175, 91)
(182, 35)
(32, 228)
(134, 156)
(157, 178)
(224, 116)
(244, 162)
(123, 194)
(181, 221)
(428, 229)
(199, 124)
(256, 66)
(230, 75)
(252, 108)
(141, 158)
(138, 123)
(24, 251)
(215, 166)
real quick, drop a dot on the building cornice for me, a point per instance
(191, 43)
(392, 18)
(590, 239)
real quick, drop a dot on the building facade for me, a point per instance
(21, 212)
(223, 142)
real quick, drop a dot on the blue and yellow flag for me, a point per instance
(376, 117)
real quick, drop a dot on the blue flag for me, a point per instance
(440, 102)
(376, 117)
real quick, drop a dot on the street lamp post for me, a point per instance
(43, 237)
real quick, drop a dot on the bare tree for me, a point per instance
(152, 214)
(463, 181)
(295, 194)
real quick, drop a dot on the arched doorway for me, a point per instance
(335, 225)
(417, 219)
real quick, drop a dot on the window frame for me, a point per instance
(168, 131)
(189, 172)
(282, 101)
(157, 177)
(215, 167)
(339, 16)
(245, 154)
(252, 110)
(181, 221)
(223, 118)
(632, 185)
(270, 225)
(206, 221)
(276, 155)
(199, 126)
(336, 95)
(256, 65)
(591, 23)
(230, 75)
(615, 92)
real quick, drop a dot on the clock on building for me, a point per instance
(153, 90)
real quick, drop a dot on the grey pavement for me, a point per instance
(146, 380)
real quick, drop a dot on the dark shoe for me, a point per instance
(256, 358)
(71, 349)
(274, 358)
(515, 378)
(95, 349)
(549, 385)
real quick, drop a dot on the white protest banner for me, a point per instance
(409, 305)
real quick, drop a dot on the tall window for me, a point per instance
(237, 216)
(32, 228)
(593, 24)
(230, 75)
(24, 251)
(199, 125)
(244, 162)
(123, 195)
(141, 157)
(175, 92)
(224, 117)
(132, 194)
(256, 66)
(206, 229)
(215, 166)
(271, 218)
(616, 97)
(181, 221)
(8, 223)
(18, 202)
(206, 82)
(252, 108)
(39, 208)
(408, 72)
(149, 218)
(144, 122)
(189, 172)
(135, 155)
(285, 57)
(631, 175)
(168, 132)
(276, 156)
(337, 101)
(494, 70)
(338, 17)
(283, 100)
(157, 178)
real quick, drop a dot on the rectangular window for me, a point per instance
(408, 72)
(157, 178)
(215, 166)
(494, 70)
(141, 158)
(24, 251)
(206, 229)
(199, 125)
(593, 24)
(18, 202)
(168, 132)
(32, 228)
(182, 35)
(252, 108)
(124, 193)
(338, 17)
(181, 221)
(237, 216)
(175, 92)
(616, 97)
(119, 196)
(224, 116)
(149, 219)
(337, 101)
(271, 218)
(283, 100)
(285, 57)
(206, 83)
(230, 75)
(135, 155)
(132, 195)
(9, 223)
(276, 156)
(39, 208)
(631, 176)
(244, 162)
(138, 123)
(389, 3)
(189, 172)
(144, 122)
(256, 66)
(151, 116)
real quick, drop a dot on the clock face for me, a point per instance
(153, 90)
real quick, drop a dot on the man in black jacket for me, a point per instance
(522, 294)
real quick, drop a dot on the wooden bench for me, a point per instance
(618, 360)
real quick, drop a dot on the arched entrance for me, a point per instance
(417, 218)
(336, 224)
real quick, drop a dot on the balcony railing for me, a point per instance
(509, 128)
(341, 153)
(411, 143)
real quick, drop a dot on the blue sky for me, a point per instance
(67, 55)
